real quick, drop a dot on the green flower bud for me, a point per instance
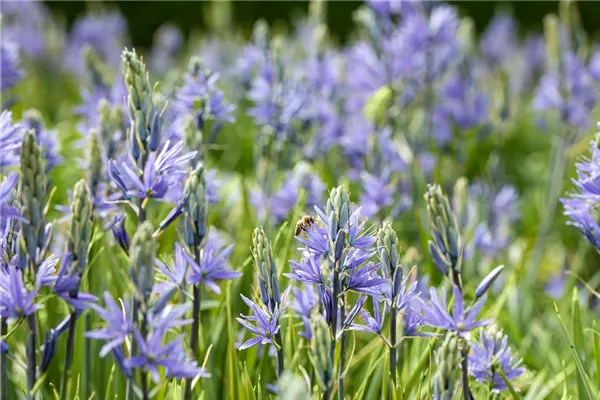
(95, 172)
(145, 118)
(80, 230)
(388, 249)
(33, 188)
(448, 367)
(461, 199)
(264, 260)
(337, 209)
(319, 351)
(141, 255)
(448, 241)
(194, 209)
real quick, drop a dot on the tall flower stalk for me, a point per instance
(33, 188)
(80, 234)
(195, 232)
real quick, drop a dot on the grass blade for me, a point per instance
(584, 378)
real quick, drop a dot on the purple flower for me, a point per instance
(573, 98)
(488, 356)
(267, 324)
(11, 136)
(168, 43)
(91, 30)
(23, 22)
(278, 100)
(211, 267)
(378, 192)
(162, 172)
(499, 40)
(363, 279)
(373, 324)
(307, 271)
(118, 228)
(7, 211)
(117, 327)
(460, 321)
(305, 301)
(175, 277)
(66, 285)
(392, 7)
(16, 301)
(9, 59)
(171, 356)
(579, 206)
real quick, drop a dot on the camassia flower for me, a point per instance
(267, 324)
(491, 354)
(460, 321)
(580, 206)
(212, 266)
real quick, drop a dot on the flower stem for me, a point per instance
(31, 347)
(334, 312)
(68, 357)
(342, 350)
(3, 365)
(465, 374)
(194, 334)
(280, 366)
(130, 393)
(143, 380)
(393, 350)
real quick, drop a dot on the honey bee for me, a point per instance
(303, 224)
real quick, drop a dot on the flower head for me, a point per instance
(212, 266)
(267, 324)
(460, 321)
(490, 354)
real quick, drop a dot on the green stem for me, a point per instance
(334, 312)
(194, 334)
(68, 356)
(280, 366)
(3, 365)
(465, 375)
(393, 350)
(31, 347)
(342, 350)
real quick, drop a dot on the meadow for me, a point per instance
(410, 214)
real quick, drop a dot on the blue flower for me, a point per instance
(211, 267)
(267, 324)
(499, 40)
(91, 30)
(490, 354)
(66, 285)
(11, 136)
(118, 324)
(460, 321)
(573, 97)
(308, 270)
(175, 277)
(16, 301)
(579, 206)
(23, 22)
(373, 324)
(171, 356)
(305, 301)
(9, 59)
(7, 211)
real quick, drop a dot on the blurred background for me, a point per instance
(191, 15)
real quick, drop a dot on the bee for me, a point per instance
(303, 224)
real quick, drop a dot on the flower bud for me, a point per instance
(95, 173)
(387, 249)
(194, 207)
(338, 209)
(32, 195)
(142, 253)
(488, 281)
(448, 362)
(319, 350)
(80, 232)
(264, 260)
(340, 243)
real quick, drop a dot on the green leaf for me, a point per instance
(577, 330)
(597, 352)
(584, 378)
